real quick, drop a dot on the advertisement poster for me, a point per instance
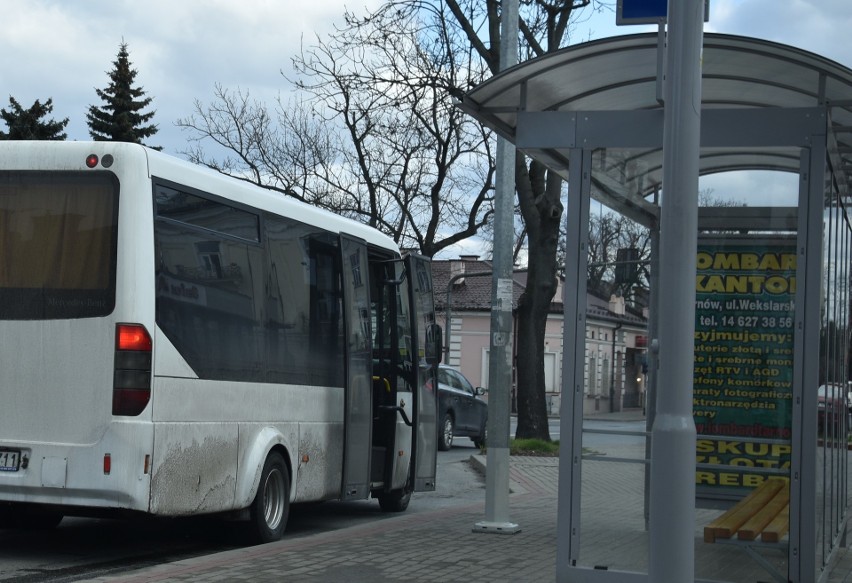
(743, 374)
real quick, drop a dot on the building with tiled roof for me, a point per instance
(616, 338)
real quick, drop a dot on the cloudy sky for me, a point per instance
(63, 49)
(181, 48)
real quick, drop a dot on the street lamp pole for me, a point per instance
(672, 552)
(500, 360)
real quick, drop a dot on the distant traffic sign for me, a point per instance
(647, 11)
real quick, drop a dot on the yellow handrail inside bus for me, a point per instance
(386, 381)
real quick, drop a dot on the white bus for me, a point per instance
(174, 342)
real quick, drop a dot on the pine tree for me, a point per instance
(120, 119)
(27, 124)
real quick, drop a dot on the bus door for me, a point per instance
(358, 401)
(426, 354)
(392, 405)
(404, 400)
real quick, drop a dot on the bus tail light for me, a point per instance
(132, 377)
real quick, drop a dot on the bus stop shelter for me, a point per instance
(772, 292)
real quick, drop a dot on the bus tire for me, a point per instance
(47, 520)
(10, 516)
(16, 517)
(271, 506)
(395, 500)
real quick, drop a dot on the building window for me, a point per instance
(592, 388)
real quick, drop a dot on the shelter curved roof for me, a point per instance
(620, 74)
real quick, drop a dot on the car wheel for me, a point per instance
(445, 437)
(271, 506)
(481, 440)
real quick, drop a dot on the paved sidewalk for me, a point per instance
(433, 546)
(440, 545)
(841, 570)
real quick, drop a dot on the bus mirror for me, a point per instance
(434, 344)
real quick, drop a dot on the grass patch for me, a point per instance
(538, 447)
(535, 447)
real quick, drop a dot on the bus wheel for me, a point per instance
(271, 506)
(394, 501)
(14, 516)
(10, 516)
(42, 520)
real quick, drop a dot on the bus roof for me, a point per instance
(208, 180)
(168, 167)
(55, 155)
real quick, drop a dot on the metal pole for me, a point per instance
(651, 358)
(612, 369)
(672, 551)
(500, 360)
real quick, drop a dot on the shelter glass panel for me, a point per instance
(744, 379)
(743, 389)
(831, 480)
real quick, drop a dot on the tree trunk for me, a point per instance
(539, 198)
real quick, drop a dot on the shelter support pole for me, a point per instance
(672, 551)
(808, 546)
(650, 404)
(500, 356)
(575, 304)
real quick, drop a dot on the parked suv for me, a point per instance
(462, 412)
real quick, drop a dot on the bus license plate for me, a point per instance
(9, 460)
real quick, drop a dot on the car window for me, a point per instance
(451, 379)
(443, 377)
(467, 386)
(461, 383)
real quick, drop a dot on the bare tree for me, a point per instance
(544, 27)
(608, 233)
(473, 28)
(252, 145)
(372, 133)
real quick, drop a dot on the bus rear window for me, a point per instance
(58, 235)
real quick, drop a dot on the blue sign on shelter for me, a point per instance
(647, 11)
(640, 11)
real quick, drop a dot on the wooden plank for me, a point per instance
(755, 525)
(779, 526)
(727, 524)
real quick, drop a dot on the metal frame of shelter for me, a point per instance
(594, 113)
